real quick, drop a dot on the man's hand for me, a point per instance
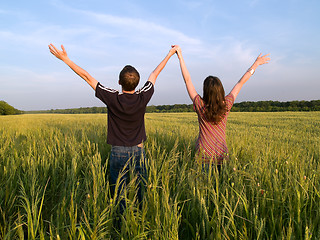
(173, 49)
(62, 55)
(178, 50)
(153, 76)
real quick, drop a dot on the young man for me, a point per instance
(126, 109)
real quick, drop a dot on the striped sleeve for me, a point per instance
(229, 101)
(147, 87)
(197, 104)
(104, 93)
(146, 92)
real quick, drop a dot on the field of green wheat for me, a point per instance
(54, 180)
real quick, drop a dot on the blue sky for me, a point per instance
(220, 38)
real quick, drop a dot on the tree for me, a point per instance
(6, 109)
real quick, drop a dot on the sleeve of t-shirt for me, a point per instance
(104, 93)
(197, 103)
(147, 91)
(229, 101)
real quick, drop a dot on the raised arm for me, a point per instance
(186, 76)
(62, 55)
(259, 61)
(153, 76)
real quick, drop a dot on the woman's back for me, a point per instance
(211, 142)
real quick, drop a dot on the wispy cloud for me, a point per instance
(143, 27)
(31, 77)
(253, 3)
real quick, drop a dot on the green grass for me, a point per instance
(54, 180)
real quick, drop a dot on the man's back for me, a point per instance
(125, 114)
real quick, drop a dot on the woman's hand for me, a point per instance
(173, 49)
(262, 59)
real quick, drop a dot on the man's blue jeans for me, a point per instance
(121, 159)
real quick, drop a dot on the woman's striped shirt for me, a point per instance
(211, 143)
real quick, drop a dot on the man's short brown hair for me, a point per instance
(129, 78)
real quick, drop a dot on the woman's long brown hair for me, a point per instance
(214, 99)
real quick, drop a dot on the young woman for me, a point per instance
(213, 109)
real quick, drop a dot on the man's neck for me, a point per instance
(131, 92)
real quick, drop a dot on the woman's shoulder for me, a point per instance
(229, 97)
(229, 101)
(198, 101)
(198, 104)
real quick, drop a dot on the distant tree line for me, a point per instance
(170, 108)
(261, 106)
(6, 109)
(74, 110)
(275, 106)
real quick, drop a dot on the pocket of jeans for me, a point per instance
(118, 161)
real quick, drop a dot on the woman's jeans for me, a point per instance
(121, 160)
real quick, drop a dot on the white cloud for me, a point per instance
(143, 27)
(14, 76)
(253, 3)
